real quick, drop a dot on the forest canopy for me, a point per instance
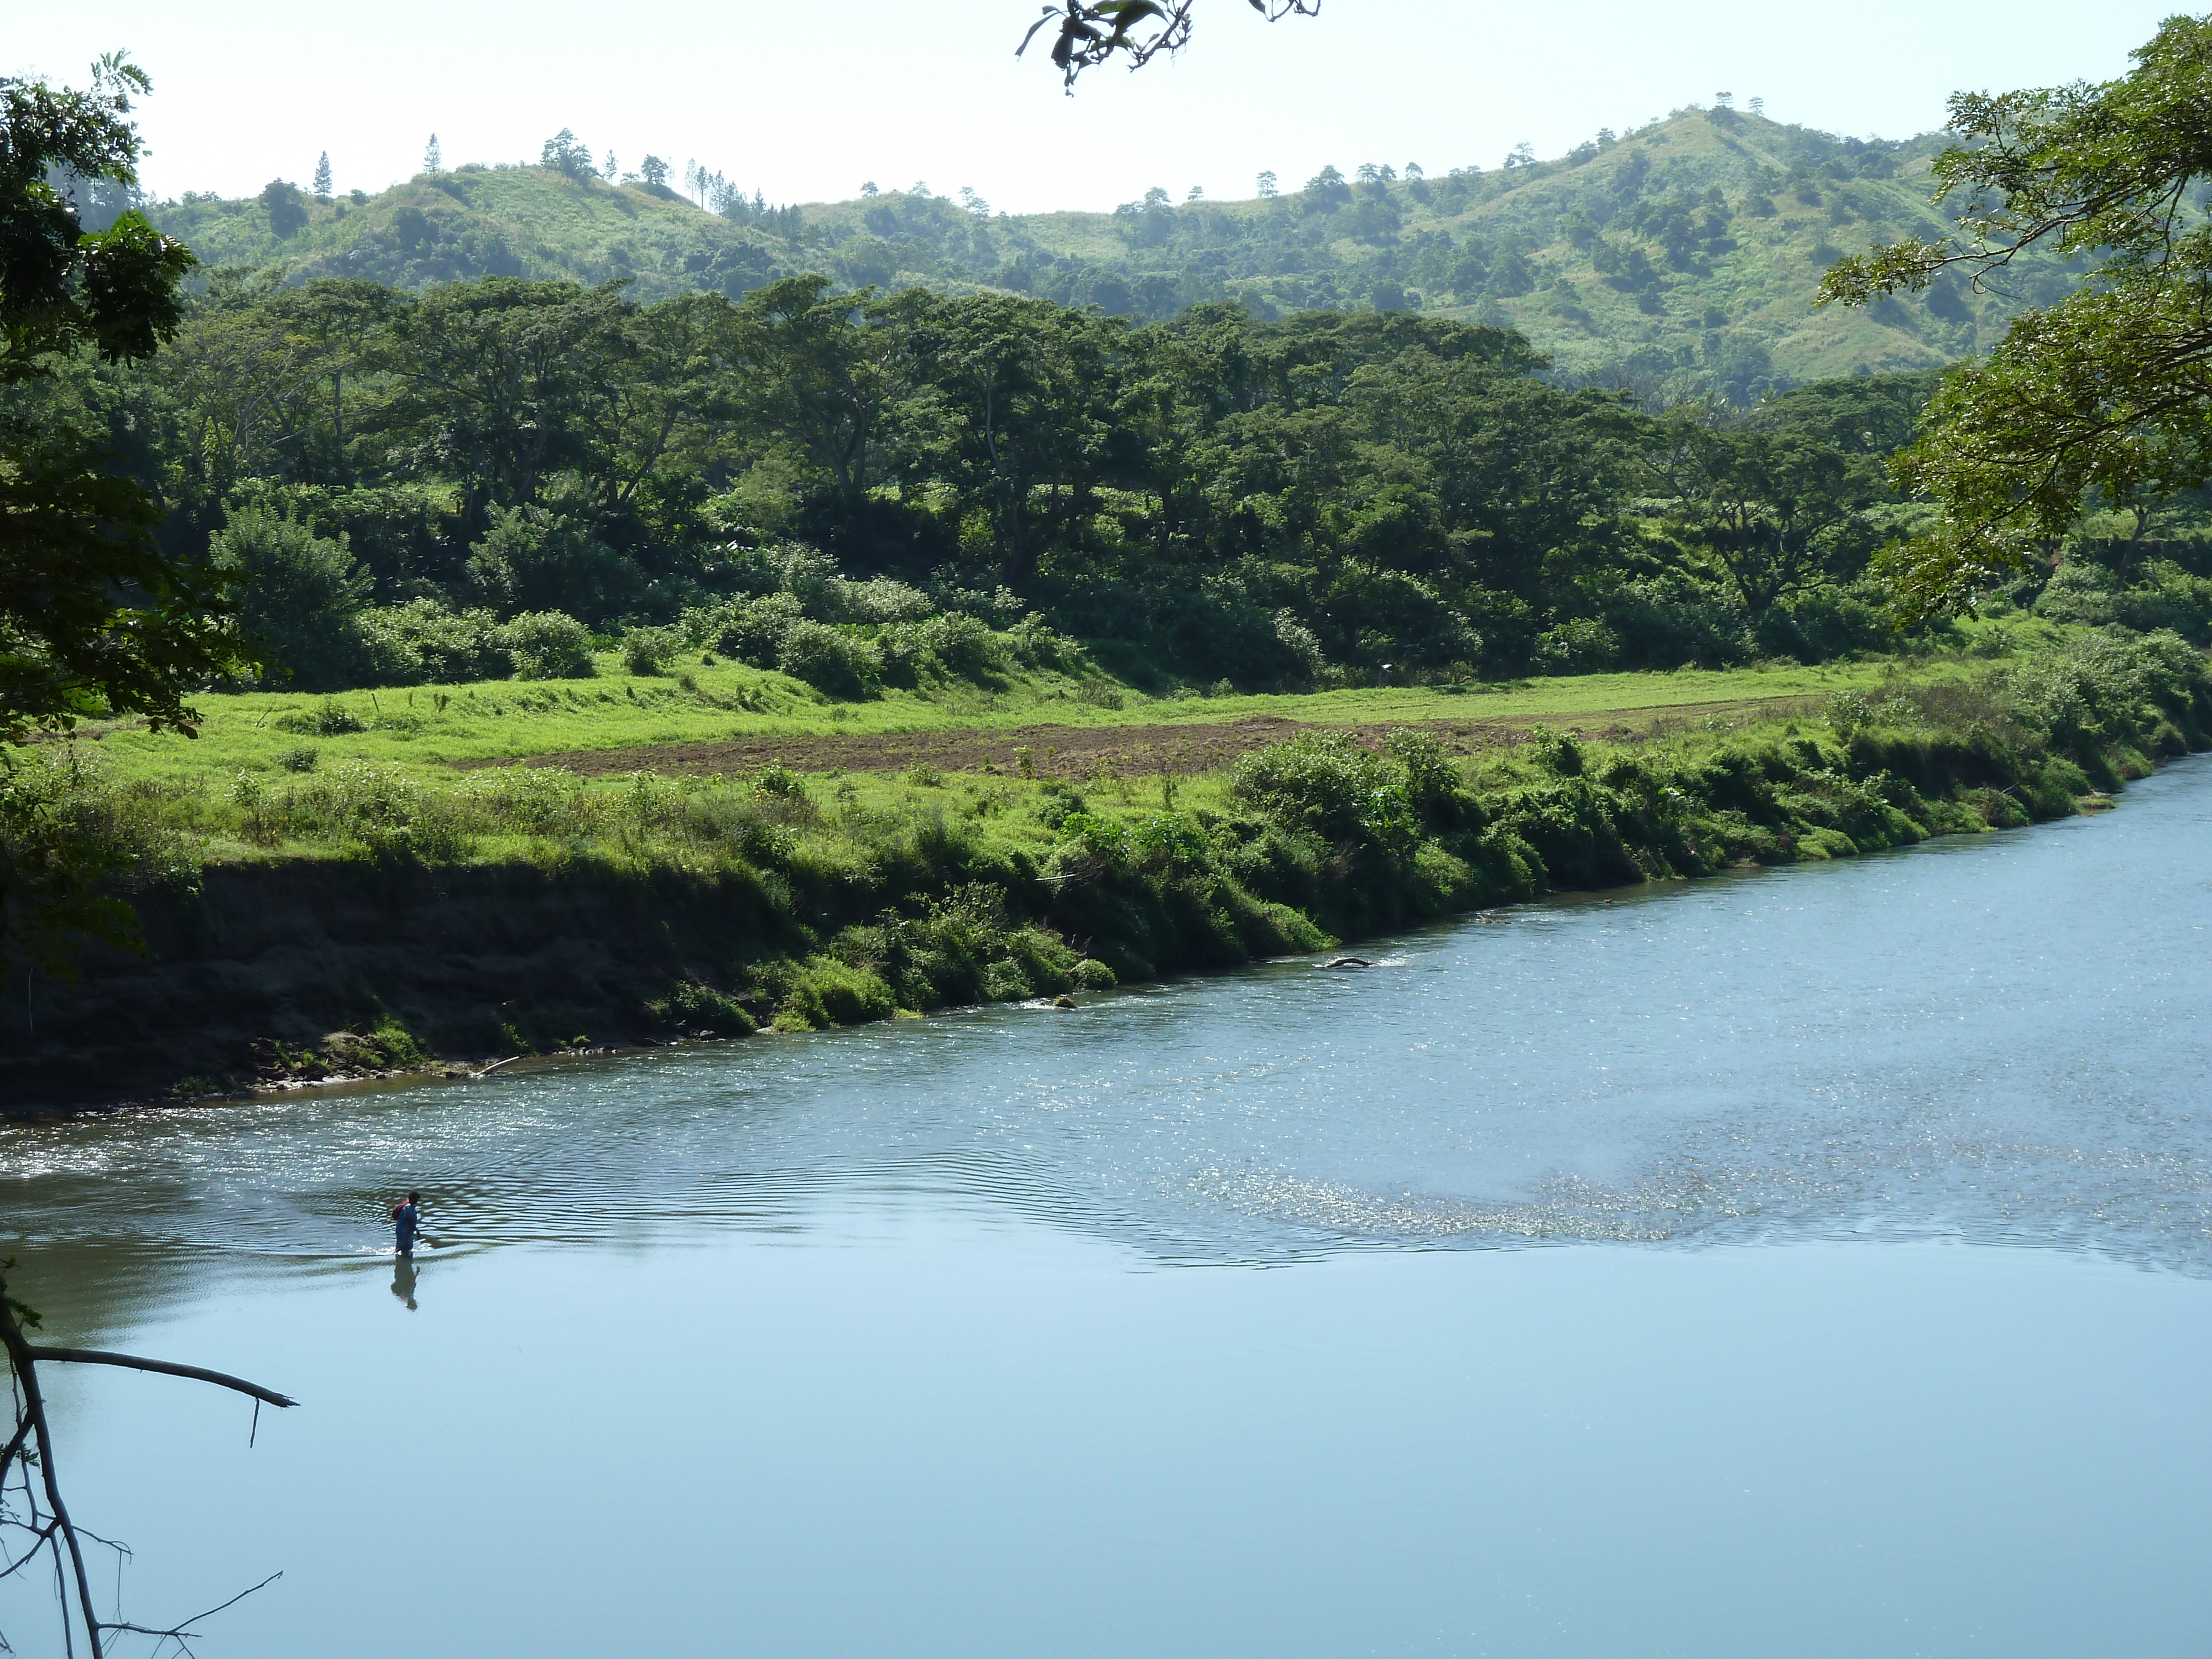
(416, 482)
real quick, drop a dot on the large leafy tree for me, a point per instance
(1024, 385)
(93, 617)
(821, 370)
(2104, 396)
(1773, 513)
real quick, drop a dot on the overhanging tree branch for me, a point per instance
(166, 1367)
(1137, 31)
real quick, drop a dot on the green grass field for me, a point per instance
(426, 731)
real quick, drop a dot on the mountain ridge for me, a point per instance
(1680, 256)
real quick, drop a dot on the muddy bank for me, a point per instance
(288, 970)
(1077, 752)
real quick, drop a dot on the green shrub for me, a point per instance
(302, 600)
(648, 651)
(1032, 642)
(962, 646)
(531, 560)
(952, 646)
(1091, 974)
(423, 641)
(548, 645)
(1324, 782)
(301, 759)
(1583, 646)
(780, 781)
(693, 1007)
(750, 629)
(1433, 784)
(1559, 753)
(878, 600)
(328, 719)
(828, 658)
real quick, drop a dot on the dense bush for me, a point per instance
(2163, 596)
(1326, 783)
(650, 650)
(422, 641)
(301, 600)
(829, 659)
(548, 645)
(530, 560)
(750, 629)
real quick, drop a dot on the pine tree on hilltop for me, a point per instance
(433, 160)
(323, 176)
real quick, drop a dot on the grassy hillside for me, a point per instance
(492, 222)
(1680, 256)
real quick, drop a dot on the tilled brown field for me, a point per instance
(1085, 751)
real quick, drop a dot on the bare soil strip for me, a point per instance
(1077, 752)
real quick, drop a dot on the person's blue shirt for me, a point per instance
(403, 1220)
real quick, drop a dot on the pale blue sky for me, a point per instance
(806, 101)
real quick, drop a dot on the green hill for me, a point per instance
(489, 222)
(1683, 256)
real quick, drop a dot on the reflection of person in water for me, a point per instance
(402, 1280)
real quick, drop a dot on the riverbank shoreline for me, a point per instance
(359, 924)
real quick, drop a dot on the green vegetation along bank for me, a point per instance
(308, 913)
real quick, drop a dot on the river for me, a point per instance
(1813, 1260)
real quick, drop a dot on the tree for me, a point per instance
(1026, 385)
(302, 596)
(287, 214)
(433, 159)
(655, 172)
(568, 155)
(821, 369)
(94, 618)
(322, 184)
(1777, 513)
(1088, 32)
(491, 376)
(2105, 395)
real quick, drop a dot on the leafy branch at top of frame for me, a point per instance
(1086, 35)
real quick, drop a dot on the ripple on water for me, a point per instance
(2001, 1039)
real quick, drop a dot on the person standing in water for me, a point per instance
(404, 1219)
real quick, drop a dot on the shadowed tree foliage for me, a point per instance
(93, 617)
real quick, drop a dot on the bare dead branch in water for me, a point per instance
(179, 1632)
(166, 1367)
(48, 1526)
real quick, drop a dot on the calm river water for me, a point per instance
(1814, 1261)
